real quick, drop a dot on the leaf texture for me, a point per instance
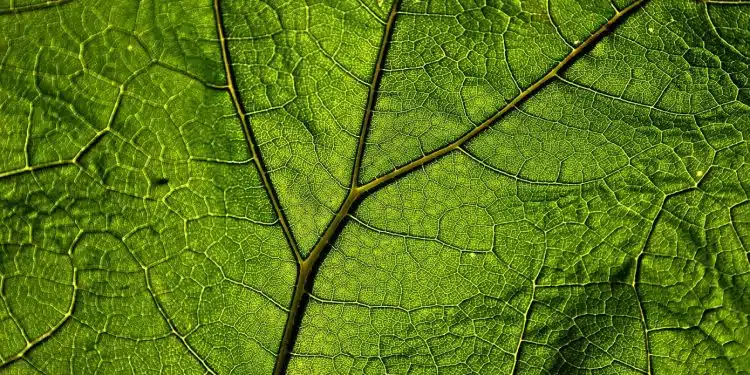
(374, 186)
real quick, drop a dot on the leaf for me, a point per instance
(371, 186)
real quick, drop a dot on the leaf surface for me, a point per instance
(361, 186)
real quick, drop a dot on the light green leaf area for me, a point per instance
(363, 186)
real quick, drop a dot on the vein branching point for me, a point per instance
(308, 266)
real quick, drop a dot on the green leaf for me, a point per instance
(375, 186)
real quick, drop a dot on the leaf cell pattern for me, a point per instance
(374, 186)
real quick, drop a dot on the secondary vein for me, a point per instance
(569, 59)
(32, 344)
(32, 7)
(250, 138)
(372, 94)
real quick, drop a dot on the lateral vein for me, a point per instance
(372, 93)
(250, 138)
(553, 73)
(32, 7)
(30, 345)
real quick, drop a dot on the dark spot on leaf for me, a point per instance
(160, 181)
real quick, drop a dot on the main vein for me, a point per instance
(250, 138)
